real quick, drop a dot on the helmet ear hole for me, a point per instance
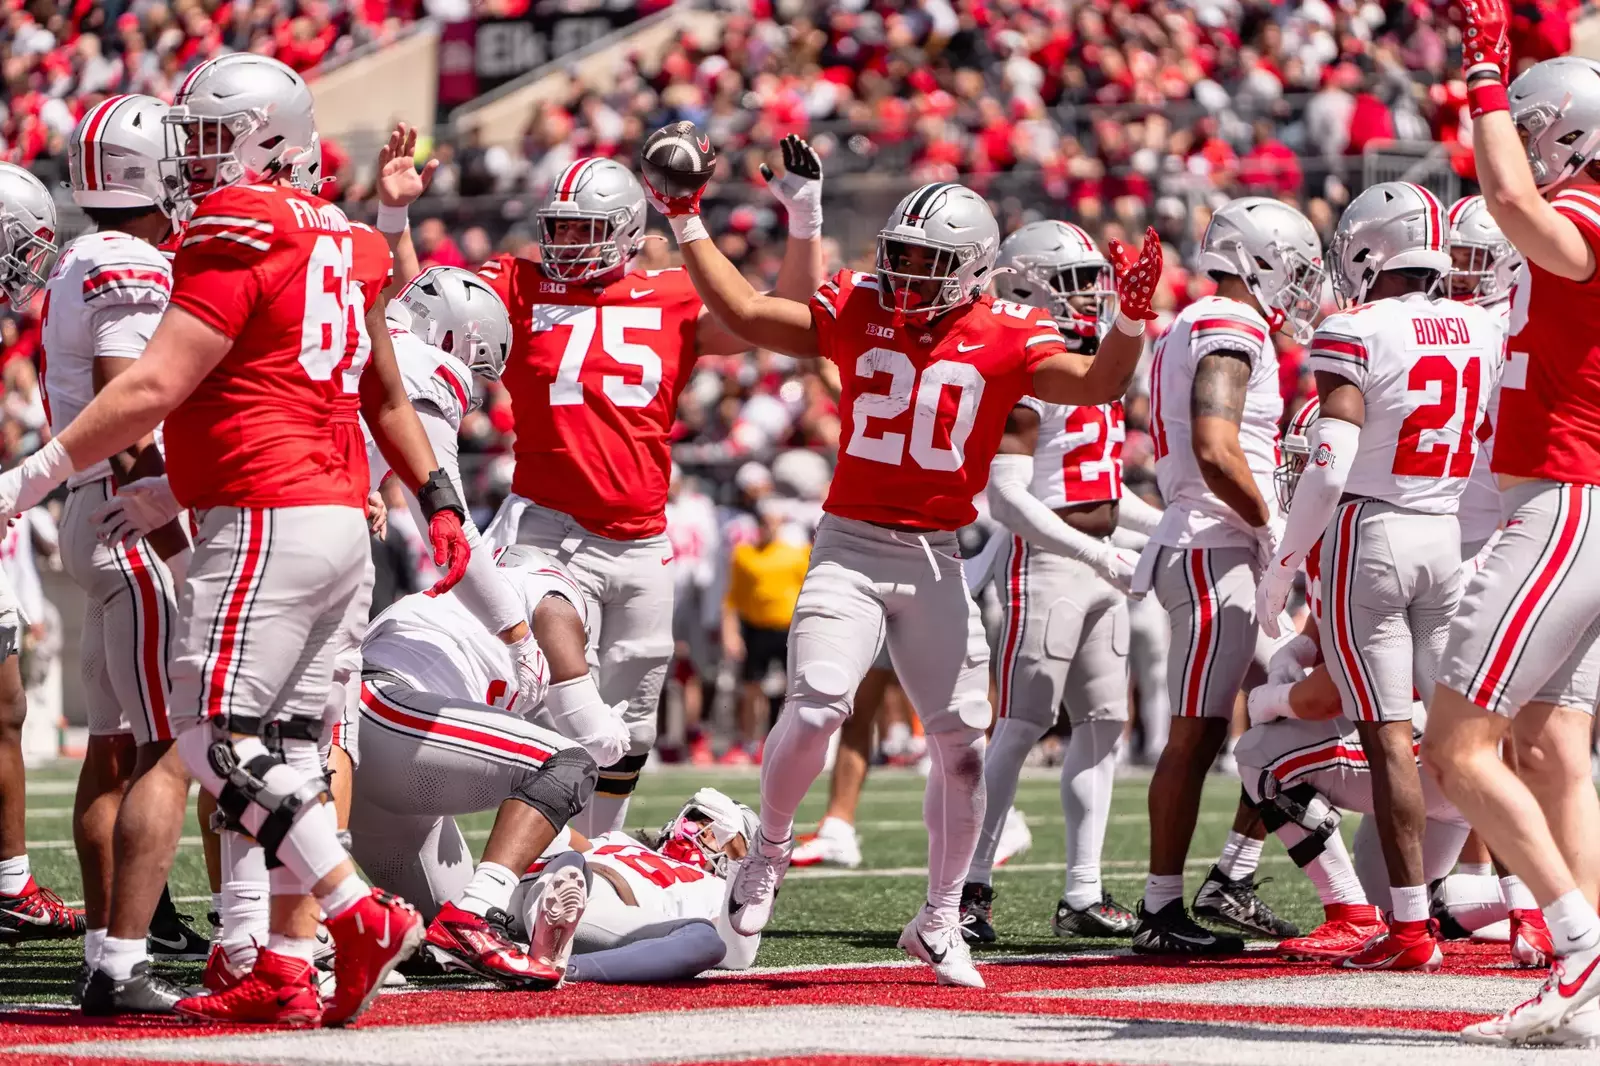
(448, 344)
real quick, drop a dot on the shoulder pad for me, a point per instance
(122, 270)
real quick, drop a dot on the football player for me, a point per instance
(1523, 656)
(251, 366)
(599, 356)
(446, 730)
(1214, 412)
(1056, 487)
(618, 910)
(1388, 465)
(930, 368)
(27, 911)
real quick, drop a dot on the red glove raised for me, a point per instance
(1485, 40)
(1137, 277)
(450, 549)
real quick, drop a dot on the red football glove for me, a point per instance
(1485, 40)
(1137, 277)
(450, 549)
(673, 206)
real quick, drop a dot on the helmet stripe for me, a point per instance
(1433, 235)
(93, 170)
(1459, 208)
(569, 180)
(917, 209)
(183, 89)
(1082, 235)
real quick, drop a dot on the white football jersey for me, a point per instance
(1078, 458)
(1426, 369)
(435, 644)
(666, 889)
(1195, 517)
(100, 278)
(431, 376)
(1479, 513)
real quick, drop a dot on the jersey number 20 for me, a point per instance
(1443, 458)
(890, 447)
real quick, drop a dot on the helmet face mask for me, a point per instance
(709, 839)
(1296, 453)
(591, 223)
(1274, 250)
(914, 277)
(457, 312)
(238, 118)
(936, 252)
(577, 247)
(27, 234)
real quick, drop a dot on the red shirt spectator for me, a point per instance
(1370, 122)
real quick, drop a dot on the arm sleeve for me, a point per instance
(1136, 516)
(121, 332)
(686, 950)
(1024, 514)
(1337, 349)
(1333, 451)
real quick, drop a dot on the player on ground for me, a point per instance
(27, 911)
(599, 354)
(950, 362)
(249, 367)
(1215, 408)
(1056, 487)
(1403, 382)
(1523, 657)
(446, 731)
(650, 910)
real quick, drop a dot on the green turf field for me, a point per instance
(823, 916)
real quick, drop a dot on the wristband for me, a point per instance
(438, 494)
(392, 219)
(688, 228)
(1133, 327)
(1487, 96)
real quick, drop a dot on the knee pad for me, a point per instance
(821, 695)
(622, 776)
(562, 786)
(262, 779)
(642, 735)
(1310, 810)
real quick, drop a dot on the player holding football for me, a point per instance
(249, 367)
(951, 363)
(27, 911)
(1523, 657)
(1057, 488)
(599, 356)
(1214, 411)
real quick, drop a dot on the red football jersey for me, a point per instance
(923, 408)
(1548, 425)
(594, 376)
(272, 425)
(371, 270)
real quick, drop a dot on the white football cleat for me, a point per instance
(1574, 981)
(1580, 1030)
(555, 923)
(1490, 1031)
(1015, 838)
(938, 942)
(755, 885)
(833, 844)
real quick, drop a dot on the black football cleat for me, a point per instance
(172, 938)
(1236, 905)
(1170, 931)
(1105, 917)
(143, 993)
(977, 913)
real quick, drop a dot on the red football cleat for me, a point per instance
(1406, 946)
(37, 914)
(484, 947)
(1531, 946)
(1346, 929)
(369, 940)
(220, 974)
(281, 990)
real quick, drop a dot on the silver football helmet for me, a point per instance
(592, 220)
(457, 312)
(703, 828)
(114, 156)
(1296, 452)
(27, 233)
(238, 118)
(1556, 107)
(1393, 225)
(1484, 263)
(1055, 265)
(305, 173)
(1274, 250)
(936, 251)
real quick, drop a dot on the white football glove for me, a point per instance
(1117, 565)
(1272, 593)
(799, 190)
(30, 481)
(533, 672)
(1267, 539)
(1293, 661)
(1261, 705)
(138, 508)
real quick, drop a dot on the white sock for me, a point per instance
(1441, 847)
(1162, 889)
(216, 903)
(1516, 894)
(490, 888)
(345, 894)
(119, 957)
(93, 941)
(952, 809)
(295, 947)
(1574, 926)
(14, 874)
(1332, 872)
(1409, 903)
(1087, 775)
(1009, 745)
(244, 904)
(1240, 856)
(1475, 869)
(794, 757)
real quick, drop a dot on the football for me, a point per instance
(677, 160)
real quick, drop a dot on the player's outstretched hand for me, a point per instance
(799, 188)
(138, 508)
(450, 549)
(677, 162)
(1137, 276)
(1485, 39)
(399, 181)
